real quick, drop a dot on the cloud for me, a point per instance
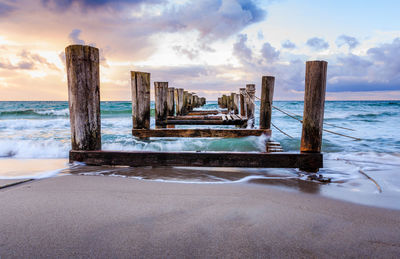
(27, 61)
(317, 43)
(74, 37)
(241, 50)
(62, 5)
(5, 9)
(287, 44)
(269, 53)
(190, 53)
(347, 40)
(212, 19)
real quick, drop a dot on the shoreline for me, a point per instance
(87, 216)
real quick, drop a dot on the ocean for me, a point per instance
(39, 131)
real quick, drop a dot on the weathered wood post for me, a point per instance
(219, 102)
(250, 106)
(267, 93)
(170, 101)
(184, 103)
(178, 95)
(314, 103)
(235, 103)
(82, 64)
(160, 96)
(224, 101)
(243, 110)
(190, 102)
(140, 87)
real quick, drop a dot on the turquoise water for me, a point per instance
(41, 129)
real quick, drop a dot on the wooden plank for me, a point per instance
(198, 159)
(202, 122)
(228, 117)
(224, 117)
(206, 112)
(199, 133)
(200, 117)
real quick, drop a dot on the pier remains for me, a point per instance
(177, 106)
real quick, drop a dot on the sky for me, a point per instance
(211, 47)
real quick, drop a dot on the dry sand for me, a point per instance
(113, 217)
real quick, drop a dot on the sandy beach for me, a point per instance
(115, 217)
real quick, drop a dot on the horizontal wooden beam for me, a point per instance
(198, 159)
(206, 112)
(199, 133)
(201, 122)
(194, 117)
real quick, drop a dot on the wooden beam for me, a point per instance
(207, 112)
(197, 159)
(198, 117)
(202, 122)
(199, 133)
(160, 96)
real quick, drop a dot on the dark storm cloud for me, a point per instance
(287, 44)
(347, 40)
(317, 43)
(269, 53)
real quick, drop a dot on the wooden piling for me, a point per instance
(314, 103)
(250, 106)
(235, 103)
(82, 64)
(160, 96)
(140, 88)
(242, 102)
(185, 103)
(170, 101)
(178, 94)
(267, 93)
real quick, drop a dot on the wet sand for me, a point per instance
(114, 217)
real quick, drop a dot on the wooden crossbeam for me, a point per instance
(206, 112)
(198, 159)
(199, 133)
(201, 122)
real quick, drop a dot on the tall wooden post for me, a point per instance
(170, 101)
(314, 103)
(267, 93)
(140, 87)
(160, 96)
(185, 103)
(219, 102)
(250, 106)
(84, 96)
(190, 102)
(235, 103)
(243, 110)
(178, 96)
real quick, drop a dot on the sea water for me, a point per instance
(41, 130)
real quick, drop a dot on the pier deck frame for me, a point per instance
(197, 159)
(200, 133)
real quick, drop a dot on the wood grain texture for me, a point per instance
(250, 99)
(235, 103)
(199, 133)
(82, 64)
(314, 103)
(140, 89)
(243, 110)
(170, 102)
(206, 112)
(197, 159)
(160, 96)
(267, 93)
